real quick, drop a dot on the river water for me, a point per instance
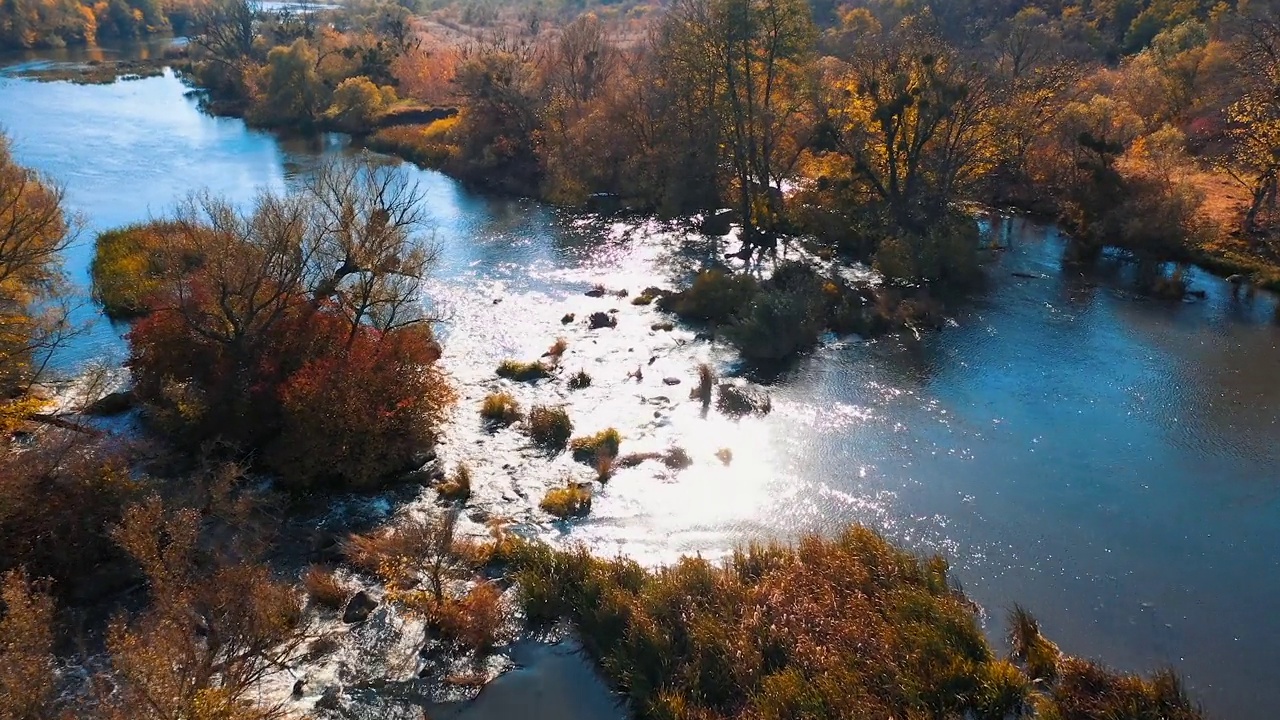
(1110, 462)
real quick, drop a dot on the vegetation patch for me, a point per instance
(572, 500)
(715, 296)
(760, 636)
(579, 380)
(549, 427)
(456, 487)
(500, 408)
(524, 371)
(324, 588)
(588, 448)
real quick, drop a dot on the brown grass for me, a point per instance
(324, 588)
(558, 347)
(566, 502)
(550, 427)
(500, 408)
(474, 621)
(458, 485)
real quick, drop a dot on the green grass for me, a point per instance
(549, 427)
(590, 447)
(500, 408)
(523, 371)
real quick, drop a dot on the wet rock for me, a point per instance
(741, 400)
(671, 381)
(596, 292)
(478, 516)
(662, 327)
(112, 404)
(704, 336)
(325, 544)
(600, 320)
(298, 687)
(568, 318)
(359, 608)
(1028, 275)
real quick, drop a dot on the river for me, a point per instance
(1108, 461)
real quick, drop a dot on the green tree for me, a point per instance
(291, 88)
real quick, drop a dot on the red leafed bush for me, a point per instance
(355, 414)
(324, 404)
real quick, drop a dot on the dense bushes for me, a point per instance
(848, 627)
(549, 427)
(281, 343)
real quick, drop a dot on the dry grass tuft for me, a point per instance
(500, 408)
(549, 427)
(590, 447)
(458, 484)
(523, 371)
(324, 588)
(567, 502)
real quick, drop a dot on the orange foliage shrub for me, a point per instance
(425, 73)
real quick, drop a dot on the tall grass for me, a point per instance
(849, 627)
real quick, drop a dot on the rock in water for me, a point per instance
(602, 320)
(359, 607)
(111, 404)
(671, 380)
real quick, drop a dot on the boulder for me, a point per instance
(112, 404)
(671, 381)
(359, 608)
(602, 320)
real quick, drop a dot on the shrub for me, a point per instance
(357, 103)
(549, 426)
(355, 419)
(128, 268)
(28, 680)
(579, 380)
(599, 320)
(1038, 654)
(458, 485)
(588, 448)
(57, 503)
(557, 348)
(706, 383)
(677, 458)
(285, 360)
(474, 621)
(715, 296)
(567, 502)
(324, 587)
(777, 324)
(500, 408)
(523, 371)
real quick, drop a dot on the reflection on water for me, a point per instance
(1106, 460)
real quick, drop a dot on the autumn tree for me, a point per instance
(34, 311)
(215, 629)
(753, 54)
(1255, 118)
(28, 681)
(305, 316)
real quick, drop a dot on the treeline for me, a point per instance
(26, 24)
(865, 124)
